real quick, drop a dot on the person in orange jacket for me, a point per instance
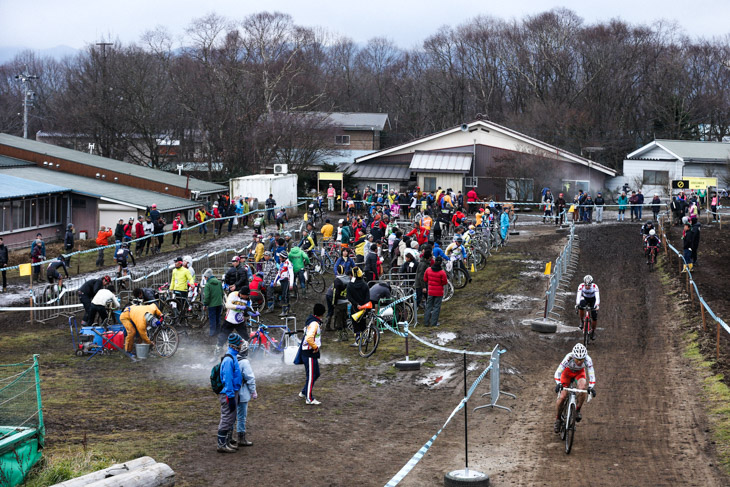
(102, 241)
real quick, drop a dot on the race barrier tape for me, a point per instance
(186, 229)
(32, 308)
(445, 349)
(422, 451)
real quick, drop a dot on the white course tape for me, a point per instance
(41, 308)
(444, 349)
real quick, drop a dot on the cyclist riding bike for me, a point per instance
(588, 295)
(52, 270)
(121, 255)
(573, 368)
(457, 253)
(651, 243)
(646, 228)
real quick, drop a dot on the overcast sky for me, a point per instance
(48, 23)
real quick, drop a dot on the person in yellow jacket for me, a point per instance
(327, 230)
(258, 253)
(134, 320)
(181, 277)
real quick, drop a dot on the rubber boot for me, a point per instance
(230, 441)
(223, 442)
(242, 440)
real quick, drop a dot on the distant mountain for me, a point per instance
(7, 53)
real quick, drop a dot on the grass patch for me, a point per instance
(64, 465)
(717, 395)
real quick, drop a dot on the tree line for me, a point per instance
(233, 90)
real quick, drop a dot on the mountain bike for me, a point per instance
(653, 250)
(313, 281)
(187, 311)
(457, 274)
(268, 339)
(54, 294)
(587, 324)
(567, 416)
(370, 336)
(164, 338)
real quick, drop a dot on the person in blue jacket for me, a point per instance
(438, 252)
(504, 224)
(231, 378)
(247, 393)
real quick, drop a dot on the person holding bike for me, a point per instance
(100, 302)
(285, 279)
(181, 279)
(588, 295)
(457, 254)
(299, 259)
(236, 277)
(310, 352)
(358, 294)
(52, 271)
(121, 256)
(86, 293)
(573, 368)
(652, 243)
(238, 309)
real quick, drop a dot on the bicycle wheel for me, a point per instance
(166, 341)
(255, 349)
(461, 278)
(316, 282)
(570, 428)
(48, 294)
(448, 291)
(369, 340)
(198, 317)
(173, 305)
(587, 323)
(404, 312)
(481, 258)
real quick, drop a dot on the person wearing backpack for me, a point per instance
(226, 380)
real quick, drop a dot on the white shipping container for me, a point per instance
(259, 186)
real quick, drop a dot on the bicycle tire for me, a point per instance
(448, 291)
(47, 294)
(481, 260)
(198, 317)
(255, 349)
(570, 428)
(316, 281)
(369, 340)
(586, 329)
(461, 278)
(166, 340)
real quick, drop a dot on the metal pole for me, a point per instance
(25, 112)
(41, 426)
(466, 422)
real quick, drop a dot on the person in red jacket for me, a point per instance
(458, 219)
(419, 233)
(471, 198)
(177, 225)
(139, 233)
(435, 280)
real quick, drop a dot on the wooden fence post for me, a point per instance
(704, 321)
(717, 347)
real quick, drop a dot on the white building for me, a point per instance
(652, 167)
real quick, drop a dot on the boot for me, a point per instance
(328, 324)
(223, 442)
(242, 440)
(231, 442)
(691, 266)
(284, 311)
(684, 269)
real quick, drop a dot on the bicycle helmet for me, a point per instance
(588, 280)
(459, 239)
(283, 254)
(287, 234)
(106, 280)
(579, 351)
(471, 227)
(652, 233)
(243, 351)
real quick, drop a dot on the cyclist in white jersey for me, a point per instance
(573, 367)
(588, 295)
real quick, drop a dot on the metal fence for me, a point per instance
(562, 273)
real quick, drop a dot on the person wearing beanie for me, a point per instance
(310, 351)
(231, 378)
(246, 394)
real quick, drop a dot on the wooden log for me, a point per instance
(156, 475)
(118, 469)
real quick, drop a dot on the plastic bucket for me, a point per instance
(142, 350)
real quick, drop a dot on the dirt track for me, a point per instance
(373, 420)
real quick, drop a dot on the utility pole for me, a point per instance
(28, 97)
(104, 136)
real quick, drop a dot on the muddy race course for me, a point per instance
(647, 425)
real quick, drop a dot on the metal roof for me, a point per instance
(437, 161)
(6, 161)
(355, 121)
(104, 190)
(688, 150)
(110, 164)
(15, 187)
(396, 172)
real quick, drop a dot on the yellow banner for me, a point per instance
(548, 268)
(330, 176)
(701, 183)
(24, 269)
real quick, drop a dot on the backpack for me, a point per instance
(215, 375)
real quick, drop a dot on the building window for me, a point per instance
(380, 187)
(571, 187)
(429, 184)
(658, 178)
(342, 140)
(30, 213)
(5, 223)
(518, 189)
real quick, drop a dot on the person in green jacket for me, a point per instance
(298, 257)
(623, 200)
(213, 300)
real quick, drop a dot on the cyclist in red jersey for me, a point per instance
(573, 367)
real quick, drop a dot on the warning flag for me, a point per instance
(548, 268)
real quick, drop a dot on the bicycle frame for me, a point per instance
(567, 429)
